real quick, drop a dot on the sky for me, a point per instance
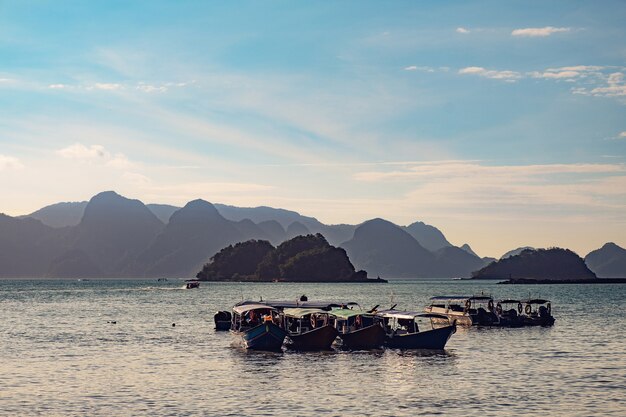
(501, 123)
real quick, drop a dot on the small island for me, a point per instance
(307, 258)
(540, 266)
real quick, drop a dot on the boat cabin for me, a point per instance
(248, 316)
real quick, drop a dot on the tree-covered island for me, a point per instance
(307, 258)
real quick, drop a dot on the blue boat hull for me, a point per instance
(430, 339)
(266, 336)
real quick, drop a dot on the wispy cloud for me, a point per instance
(510, 76)
(538, 32)
(419, 68)
(622, 135)
(9, 162)
(462, 30)
(95, 153)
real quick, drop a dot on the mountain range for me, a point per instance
(113, 236)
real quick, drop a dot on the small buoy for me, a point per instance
(173, 324)
(112, 322)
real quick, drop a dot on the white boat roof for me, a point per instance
(248, 307)
(399, 314)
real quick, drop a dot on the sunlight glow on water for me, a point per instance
(61, 357)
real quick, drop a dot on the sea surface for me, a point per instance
(60, 355)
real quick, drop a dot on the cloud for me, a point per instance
(95, 154)
(9, 162)
(462, 30)
(538, 32)
(614, 87)
(555, 75)
(552, 186)
(57, 86)
(105, 86)
(622, 135)
(80, 151)
(510, 76)
(416, 68)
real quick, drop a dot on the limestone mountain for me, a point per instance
(385, 249)
(608, 262)
(296, 229)
(194, 234)
(428, 236)
(163, 211)
(60, 214)
(113, 231)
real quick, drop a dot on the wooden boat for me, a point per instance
(308, 329)
(192, 283)
(538, 312)
(358, 330)
(509, 313)
(222, 320)
(465, 310)
(256, 328)
(402, 330)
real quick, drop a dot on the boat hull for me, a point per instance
(266, 336)
(545, 321)
(371, 337)
(317, 339)
(430, 339)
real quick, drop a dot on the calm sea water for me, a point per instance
(60, 357)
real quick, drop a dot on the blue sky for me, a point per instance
(501, 123)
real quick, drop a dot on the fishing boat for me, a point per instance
(538, 312)
(309, 329)
(403, 332)
(509, 313)
(358, 330)
(222, 320)
(192, 283)
(464, 310)
(256, 328)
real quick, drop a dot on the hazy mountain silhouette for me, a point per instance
(608, 262)
(194, 234)
(60, 214)
(385, 249)
(538, 264)
(428, 236)
(296, 229)
(468, 249)
(251, 230)
(162, 211)
(516, 251)
(113, 231)
(274, 231)
(27, 246)
(334, 234)
(456, 262)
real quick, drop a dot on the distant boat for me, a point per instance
(309, 329)
(402, 330)
(255, 327)
(192, 283)
(162, 279)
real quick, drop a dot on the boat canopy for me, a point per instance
(481, 297)
(398, 314)
(345, 313)
(301, 312)
(326, 305)
(450, 298)
(241, 309)
(535, 301)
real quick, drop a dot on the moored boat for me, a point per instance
(222, 320)
(538, 312)
(509, 313)
(256, 327)
(402, 330)
(358, 330)
(465, 310)
(309, 329)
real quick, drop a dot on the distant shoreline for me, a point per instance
(564, 281)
